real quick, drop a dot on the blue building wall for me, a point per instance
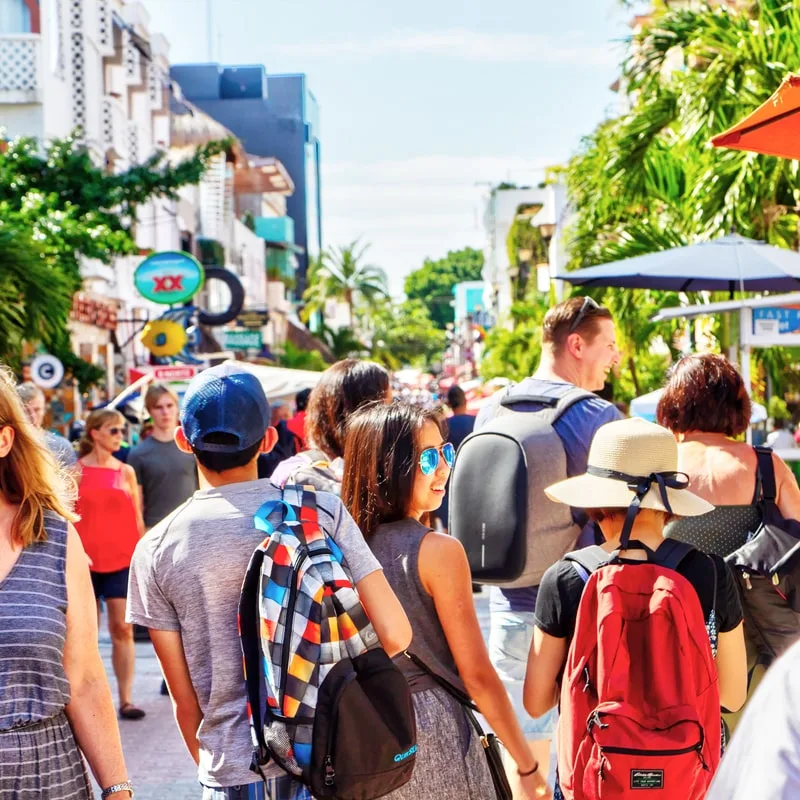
(273, 115)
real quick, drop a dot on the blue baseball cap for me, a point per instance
(225, 399)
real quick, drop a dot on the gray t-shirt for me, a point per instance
(60, 448)
(186, 576)
(167, 477)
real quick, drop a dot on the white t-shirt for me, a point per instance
(763, 759)
(781, 440)
(186, 576)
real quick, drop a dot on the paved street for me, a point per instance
(157, 760)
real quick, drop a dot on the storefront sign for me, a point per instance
(169, 278)
(253, 318)
(94, 311)
(242, 340)
(773, 321)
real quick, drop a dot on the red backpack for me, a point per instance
(640, 712)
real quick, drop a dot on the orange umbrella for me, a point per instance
(773, 128)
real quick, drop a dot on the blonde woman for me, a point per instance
(110, 526)
(54, 697)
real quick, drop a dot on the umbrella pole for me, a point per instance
(744, 365)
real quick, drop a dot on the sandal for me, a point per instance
(130, 711)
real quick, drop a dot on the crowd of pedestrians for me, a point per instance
(632, 650)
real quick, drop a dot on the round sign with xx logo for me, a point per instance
(169, 278)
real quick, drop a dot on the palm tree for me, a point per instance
(649, 180)
(341, 274)
(35, 295)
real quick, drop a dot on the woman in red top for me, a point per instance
(110, 525)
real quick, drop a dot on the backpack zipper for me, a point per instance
(287, 634)
(627, 751)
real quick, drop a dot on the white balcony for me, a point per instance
(20, 68)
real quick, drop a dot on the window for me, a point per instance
(15, 17)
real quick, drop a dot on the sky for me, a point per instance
(423, 104)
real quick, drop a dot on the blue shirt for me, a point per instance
(576, 429)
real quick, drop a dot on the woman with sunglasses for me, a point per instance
(397, 467)
(110, 525)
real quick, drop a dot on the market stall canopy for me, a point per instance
(281, 383)
(645, 407)
(730, 263)
(773, 128)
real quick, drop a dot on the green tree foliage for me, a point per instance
(341, 274)
(60, 207)
(648, 179)
(405, 334)
(294, 357)
(432, 284)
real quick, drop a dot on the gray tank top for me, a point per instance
(33, 627)
(396, 546)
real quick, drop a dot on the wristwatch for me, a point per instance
(125, 786)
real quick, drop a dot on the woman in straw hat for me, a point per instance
(623, 454)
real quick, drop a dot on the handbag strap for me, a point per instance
(766, 473)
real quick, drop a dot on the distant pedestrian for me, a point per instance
(780, 438)
(110, 526)
(343, 388)
(187, 573)
(281, 412)
(397, 467)
(167, 477)
(297, 424)
(33, 400)
(579, 349)
(459, 425)
(55, 703)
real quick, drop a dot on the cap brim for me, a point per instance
(590, 491)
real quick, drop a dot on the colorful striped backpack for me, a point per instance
(325, 701)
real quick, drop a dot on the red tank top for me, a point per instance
(107, 526)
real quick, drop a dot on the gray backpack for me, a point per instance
(511, 530)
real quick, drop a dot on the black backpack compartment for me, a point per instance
(363, 748)
(496, 548)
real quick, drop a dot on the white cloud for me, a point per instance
(410, 209)
(461, 43)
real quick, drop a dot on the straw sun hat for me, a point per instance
(625, 456)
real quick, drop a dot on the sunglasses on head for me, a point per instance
(588, 303)
(429, 458)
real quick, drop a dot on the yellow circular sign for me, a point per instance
(164, 338)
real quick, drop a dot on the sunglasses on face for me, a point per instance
(429, 458)
(116, 431)
(588, 303)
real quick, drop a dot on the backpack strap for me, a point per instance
(588, 560)
(671, 554)
(766, 473)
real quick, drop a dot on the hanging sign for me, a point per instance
(771, 325)
(47, 371)
(242, 340)
(169, 277)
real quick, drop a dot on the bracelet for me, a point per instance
(529, 772)
(125, 786)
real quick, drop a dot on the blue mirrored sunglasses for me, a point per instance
(429, 458)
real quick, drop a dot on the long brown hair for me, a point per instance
(381, 453)
(30, 477)
(94, 422)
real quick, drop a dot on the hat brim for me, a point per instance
(590, 491)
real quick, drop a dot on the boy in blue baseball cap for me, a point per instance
(187, 573)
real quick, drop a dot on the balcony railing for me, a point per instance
(20, 64)
(115, 127)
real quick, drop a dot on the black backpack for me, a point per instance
(768, 568)
(509, 528)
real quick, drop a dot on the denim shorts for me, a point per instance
(509, 642)
(283, 788)
(110, 585)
